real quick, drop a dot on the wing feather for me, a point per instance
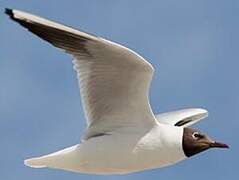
(114, 80)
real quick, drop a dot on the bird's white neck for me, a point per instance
(162, 146)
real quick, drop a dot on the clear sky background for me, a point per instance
(192, 44)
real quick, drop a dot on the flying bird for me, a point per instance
(122, 134)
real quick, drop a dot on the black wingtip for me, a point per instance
(9, 12)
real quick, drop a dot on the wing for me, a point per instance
(183, 118)
(114, 81)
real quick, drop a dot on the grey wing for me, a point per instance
(183, 117)
(114, 81)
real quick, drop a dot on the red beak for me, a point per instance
(218, 145)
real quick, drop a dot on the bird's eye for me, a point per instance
(197, 135)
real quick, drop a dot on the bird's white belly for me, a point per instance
(108, 155)
(120, 154)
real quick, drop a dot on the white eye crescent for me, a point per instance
(197, 135)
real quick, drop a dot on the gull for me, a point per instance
(122, 134)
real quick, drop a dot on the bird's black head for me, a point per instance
(195, 142)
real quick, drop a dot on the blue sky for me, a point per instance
(193, 46)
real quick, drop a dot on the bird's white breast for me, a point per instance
(126, 151)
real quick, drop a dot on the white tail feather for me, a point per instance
(35, 162)
(56, 159)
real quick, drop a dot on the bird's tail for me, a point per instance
(53, 160)
(38, 162)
